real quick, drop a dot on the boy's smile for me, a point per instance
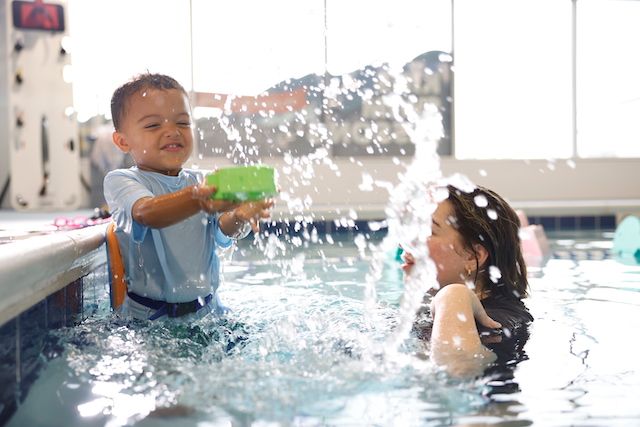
(157, 130)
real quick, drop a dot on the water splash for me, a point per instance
(409, 211)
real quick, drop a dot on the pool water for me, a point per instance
(299, 349)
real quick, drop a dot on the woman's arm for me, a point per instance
(455, 342)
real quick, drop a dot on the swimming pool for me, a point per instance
(297, 351)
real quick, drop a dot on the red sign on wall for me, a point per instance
(37, 15)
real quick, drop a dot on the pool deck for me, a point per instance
(37, 258)
(16, 225)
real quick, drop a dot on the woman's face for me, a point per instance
(446, 248)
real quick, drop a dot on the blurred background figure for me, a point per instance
(104, 157)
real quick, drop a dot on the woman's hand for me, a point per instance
(480, 314)
(454, 293)
(409, 261)
(455, 342)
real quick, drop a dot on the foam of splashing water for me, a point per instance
(409, 210)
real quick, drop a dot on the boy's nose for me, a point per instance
(173, 131)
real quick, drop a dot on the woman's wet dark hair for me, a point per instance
(495, 226)
(121, 96)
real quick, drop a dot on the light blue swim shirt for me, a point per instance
(176, 263)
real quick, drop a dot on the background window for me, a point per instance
(365, 32)
(513, 87)
(608, 86)
(245, 47)
(117, 39)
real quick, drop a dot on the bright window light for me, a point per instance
(513, 87)
(608, 86)
(366, 32)
(117, 39)
(245, 47)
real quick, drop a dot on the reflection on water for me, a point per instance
(294, 351)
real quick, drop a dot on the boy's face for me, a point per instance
(157, 130)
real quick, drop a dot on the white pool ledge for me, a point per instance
(32, 269)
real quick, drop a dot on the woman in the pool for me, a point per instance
(482, 276)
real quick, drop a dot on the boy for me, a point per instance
(167, 225)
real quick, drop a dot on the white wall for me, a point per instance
(576, 187)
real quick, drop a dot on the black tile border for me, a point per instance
(378, 227)
(575, 222)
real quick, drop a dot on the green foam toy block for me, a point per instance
(243, 183)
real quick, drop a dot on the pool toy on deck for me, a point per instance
(243, 183)
(626, 241)
(534, 243)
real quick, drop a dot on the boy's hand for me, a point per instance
(254, 212)
(203, 194)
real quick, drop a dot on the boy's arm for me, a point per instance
(169, 209)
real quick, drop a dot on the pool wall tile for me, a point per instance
(32, 329)
(56, 310)
(73, 303)
(26, 342)
(567, 223)
(8, 370)
(321, 227)
(353, 227)
(607, 222)
(587, 223)
(574, 223)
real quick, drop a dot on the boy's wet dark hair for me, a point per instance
(497, 233)
(122, 95)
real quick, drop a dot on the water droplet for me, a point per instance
(494, 273)
(139, 255)
(481, 201)
(367, 183)
(360, 241)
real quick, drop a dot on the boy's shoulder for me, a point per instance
(193, 172)
(188, 175)
(132, 171)
(117, 175)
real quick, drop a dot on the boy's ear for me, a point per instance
(121, 141)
